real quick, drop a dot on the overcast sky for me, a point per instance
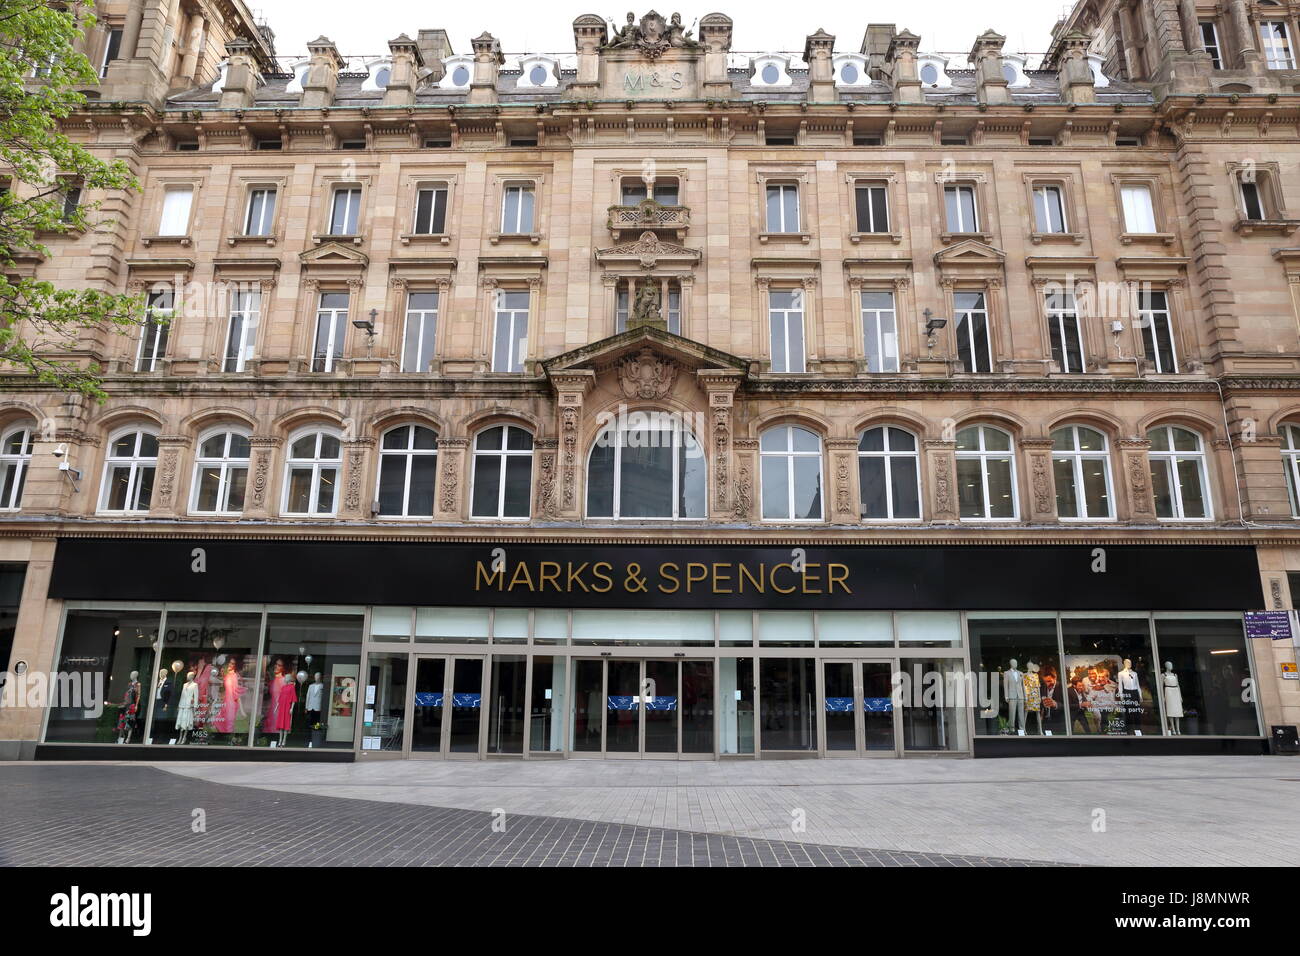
(536, 26)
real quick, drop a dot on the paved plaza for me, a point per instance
(1231, 811)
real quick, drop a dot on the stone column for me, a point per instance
(841, 454)
(131, 29)
(720, 385)
(1135, 471)
(571, 388)
(715, 36)
(745, 505)
(487, 61)
(356, 502)
(1244, 35)
(941, 469)
(1192, 38)
(903, 73)
(166, 482)
(257, 503)
(1042, 489)
(451, 467)
(194, 47)
(240, 87)
(817, 52)
(322, 77)
(405, 74)
(986, 57)
(589, 36)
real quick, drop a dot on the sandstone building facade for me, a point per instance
(846, 363)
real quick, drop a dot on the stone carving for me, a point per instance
(261, 471)
(167, 477)
(1042, 487)
(648, 249)
(646, 376)
(1275, 589)
(450, 480)
(546, 503)
(653, 36)
(646, 310)
(942, 489)
(721, 453)
(744, 500)
(569, 436)
(1137, 474)
(352, 499)
(843, 498)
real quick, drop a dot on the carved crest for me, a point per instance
(646, 375)
(653, 36)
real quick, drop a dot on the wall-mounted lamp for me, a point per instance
(367, 326)
(933, 324)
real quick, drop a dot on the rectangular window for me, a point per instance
(872, 207)
(785, 315)
(510, 338)
(345, 211)
(1157, 332)
(1210, 40)
(153, 339)
(973, 345)
(959, 205)
(71, 200)
(1063, 330)
(331, 323)
(112, 49)
(431, 211)
(1139, 210)
(421, 329)
(245, 307)
(1252, 199)
(1049, 209)
(260, 218)
(177, 201)
(1276, 45)
(782, 207)
(517, 210)
(666, 192)
(880, 331)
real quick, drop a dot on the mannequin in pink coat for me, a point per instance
(284, 701)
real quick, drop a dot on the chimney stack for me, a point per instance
(986, 56)
(322, 77)
(405, 74)
(487, 61)
(901, 56)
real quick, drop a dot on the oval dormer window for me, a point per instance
(1009, 73)
(382, 77)
(460, 76)
(537, 75)
(849, 74)
(771, 74)
(929, 74)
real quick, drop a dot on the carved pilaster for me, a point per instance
(262, 455)
(720, 385)
(571, 388)
(1042, 489)
(841, 453)
(356, 503)
(942, 466)
(1136, 467)
(163, 503)
(548, 491)
(451, 455)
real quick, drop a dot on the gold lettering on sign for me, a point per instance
(695, 577)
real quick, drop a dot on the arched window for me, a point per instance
(1081, 466)
(986, 474)
(129, 472)
(15, 455)
(1290, 458)
(791, 459)
(1178, 475)
(646, 466)
(408, 470)
(312, 470)
(220, 473)
(889, 474)
(503, 473)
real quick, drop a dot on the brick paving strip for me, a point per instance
(115, 815)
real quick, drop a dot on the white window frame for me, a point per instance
(1291, 461)
(889, 361)
(1169, 461)
(170, 222)
(338, 320)
(961, 226)
(1276, 49)
(1211, 43)
(152, 346)
(984, 454)
(265, 221)
(136, 463)
(1139, 219)
(889, 455)
(1076, 457)
(1148, 320)
(504, 453)
(871, 185)
(225, 464)
(780, 226)
(316, 464)
(1255, 186)
(619, 431)
(16, 463)
(983, 311)
(105, 60)
(798, 311)
(426, 318)
(515, 363)
(351, 213)
(241, 328)
(1042, 209)
(790, 456)
(434, 188)
(515, 228)
(408, 454)
(1058, 319)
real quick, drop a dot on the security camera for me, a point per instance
(60, 451)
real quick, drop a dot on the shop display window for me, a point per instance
(1109, 676)
(105, 663)
(202, 690)
(384, 709)
(308, 685)
(1204, 677)
(1018, 666)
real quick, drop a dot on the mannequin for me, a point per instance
(130, 708)
(1014, 689)
(185, 708)
(282, 719)
(315, 698)
(1173, 699)
(1131, 695)
(162, 693)
(231, 705)
(1034, 695)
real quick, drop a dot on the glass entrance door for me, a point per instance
(447, 707)
(643, 708)
(858, 708)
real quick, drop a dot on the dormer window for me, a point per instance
(850, 69)
(538, 72)
(770, 69)
(460, 71)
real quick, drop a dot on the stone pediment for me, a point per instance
(645, 357)
(648, 251)
(972, 251)
(334, 254)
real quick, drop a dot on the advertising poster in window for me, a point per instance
(343, 701)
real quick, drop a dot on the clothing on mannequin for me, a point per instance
(185, 708)
(282, 719)
(1013, 688)
(315, 699)
(1173, 699)
(127, 716)
(231, 706)
(1130, 693)
(1034, 695)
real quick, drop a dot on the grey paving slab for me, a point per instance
(123, 814)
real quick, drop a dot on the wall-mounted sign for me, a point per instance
(1289, 671)
(1274, 625)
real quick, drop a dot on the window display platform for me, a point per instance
(1120, 746)
(195, 754)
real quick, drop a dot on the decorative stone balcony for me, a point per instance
(626, 221)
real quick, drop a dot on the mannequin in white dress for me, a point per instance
(189, 700)
(1013, 688)
(1173, 699)
(1130, 692)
